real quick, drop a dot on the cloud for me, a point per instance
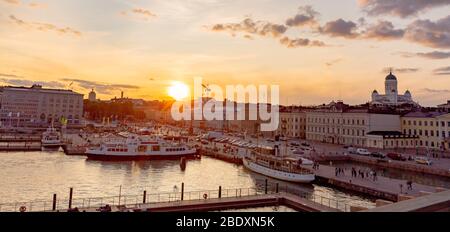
(143, 13)
(436, 90)
(442, 71)
(400, 8)
(300, 42)
(401, 70)
(435, 55)
(9, 75)
(44, 26)
(28, 83)
(432, 34)
(19, 3)
(333, 62)
(340, 28)
(383, 30)
(16, 2)
(102, 88)
(248, 26)
(306, 16)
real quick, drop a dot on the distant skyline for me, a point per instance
(316, 50)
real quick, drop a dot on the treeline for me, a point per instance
(114, 110)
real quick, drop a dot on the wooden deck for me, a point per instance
(216, 204)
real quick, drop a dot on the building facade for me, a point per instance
(292, 124)
(339, 124)
(391, 140)
(37, 106)
(432, 128)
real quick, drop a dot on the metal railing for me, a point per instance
(134, 201)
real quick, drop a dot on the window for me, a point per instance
(414, 122)
(420, 123)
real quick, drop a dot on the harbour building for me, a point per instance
(36, 106)
(432, 128)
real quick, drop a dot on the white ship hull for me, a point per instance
(286, 176)
(98, 155)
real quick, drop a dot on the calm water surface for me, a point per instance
(29, 176)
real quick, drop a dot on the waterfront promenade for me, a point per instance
(382, 187)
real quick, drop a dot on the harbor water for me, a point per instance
(38, 175)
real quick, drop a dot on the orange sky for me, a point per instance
(317, 51)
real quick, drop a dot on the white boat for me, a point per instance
(283, 169)
(51, 138)
(268, 162)
(138, 147)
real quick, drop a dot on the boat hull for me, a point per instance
(280, 175)
(106, 157)
(51, 145)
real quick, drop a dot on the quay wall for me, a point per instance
(358, 188)
(401, 166)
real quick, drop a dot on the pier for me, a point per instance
(382, 187)
(206, 200)
(20, 138)
(20, 146)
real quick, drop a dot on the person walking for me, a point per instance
(409, 183)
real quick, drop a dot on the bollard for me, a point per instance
(182, 191)
(276, 188)
(265, 187)
(70, 197)
(144, 197)
(54, 202)
(220, 191)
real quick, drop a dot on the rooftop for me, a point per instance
(420, 114)
(39, 89)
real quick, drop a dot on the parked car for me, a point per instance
(305, 144)
(298, 152)
(396, 156)
(362, 151)
(378, 155)
(423, 160)
(294, 144)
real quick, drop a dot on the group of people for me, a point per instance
(316, 166)
(339, 171)
(364, 174)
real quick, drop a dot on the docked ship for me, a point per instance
(136, 147)
(283, 168)
(51, 138)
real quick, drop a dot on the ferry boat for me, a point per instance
(282, 168)
(140, 148)
(51, 138)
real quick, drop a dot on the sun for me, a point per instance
(178, 91)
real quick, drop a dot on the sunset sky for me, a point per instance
(316, 50)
